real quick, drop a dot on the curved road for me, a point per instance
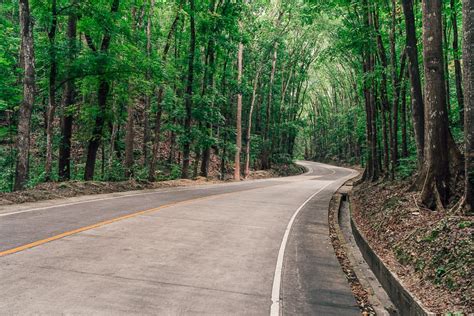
(251, 248)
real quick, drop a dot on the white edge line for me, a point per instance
(123, 195)
(275, 307)
(156, 191)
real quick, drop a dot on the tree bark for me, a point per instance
(189, 94)
(129, 138)
(209, 83)
(53, 71)
(146, 123)
(468, 73)
(265, 160)
(68, 100)
(238, 140)
(249, 125)
(28, 65)
(446, 60)
(404, 120)
(396, 80)
(435, 176)
(414, 71)
(102, 94)
(372, 169)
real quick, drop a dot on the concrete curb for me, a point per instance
(377, 296)
(405, 302)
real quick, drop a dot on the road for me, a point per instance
(250, 248)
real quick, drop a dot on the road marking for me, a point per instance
(157, 191)
(113, 220)
(90, 201)
(275, 307)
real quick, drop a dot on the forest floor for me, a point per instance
(55, 190)
(431, 252)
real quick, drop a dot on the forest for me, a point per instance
(113, 90)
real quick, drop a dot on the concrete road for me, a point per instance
(250, 248)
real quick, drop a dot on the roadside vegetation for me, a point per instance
(396, 97)
(150, 90)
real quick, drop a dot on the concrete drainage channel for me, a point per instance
(376, 289)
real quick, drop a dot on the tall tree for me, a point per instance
(102, 94)
(189, 93)
(69, 95)
(146, 133)
(468, 72)
(27, 60)
(248, 135)
(238, 122)
(414, 71)
(457, 61)
(435, 176)
(53, 70)
(159, 99)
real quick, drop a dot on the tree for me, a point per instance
(239, 114)
(102, 94)
(414, 71)
(159, 100)
(27, 60)
(189, 92)
(248, 136)
(435, 175)
(69, 95)
(468, 74)
(53, 70)
(457, 62)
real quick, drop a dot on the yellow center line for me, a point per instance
(113, 220)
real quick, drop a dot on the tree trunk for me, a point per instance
(457, 62)
(238, 140)
(95, 140)
(129, 138)
(416, 94)
(468, 68)
(209, 82)
(404, 120)
(249, 125)
(396, 80)
(68, 100)
(385, 136)
(53, 71)
(266, 146)
(102, 94)
(385, 105)
(27, 58)
(435, 176)
(446, 60)
(159, 101)
(371, 173)
(146, 110)
(189, 95)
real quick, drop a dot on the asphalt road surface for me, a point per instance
(251, 248)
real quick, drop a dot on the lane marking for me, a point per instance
(275, 307)
(116, 219)
(158, 191)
